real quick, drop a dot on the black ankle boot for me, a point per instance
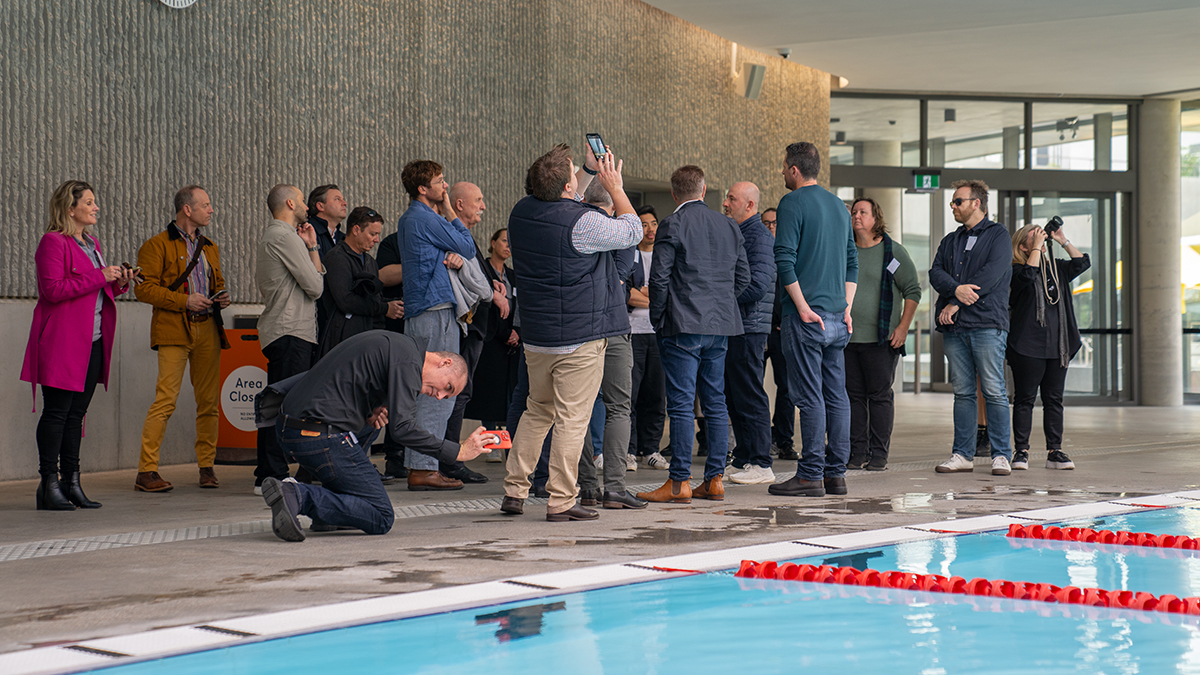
(50, 496)
(74, 491)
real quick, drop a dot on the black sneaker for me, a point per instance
(877, 464)
(856, 462)
(1057, 459)
(285, 506)
(982, 444)
(1020, 460)
(788, 454)
(798, 487)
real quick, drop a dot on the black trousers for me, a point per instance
(1030, 375)
(870, 372)
(783, 420)
(286, 356)
(60, 428)
(470, 347)
(749, 407)
(648, 401)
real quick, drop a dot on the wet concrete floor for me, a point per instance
(50, 599)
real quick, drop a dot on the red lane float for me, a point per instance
(1089, 536)
(996, 588)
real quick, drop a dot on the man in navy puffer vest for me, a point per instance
(571, 303)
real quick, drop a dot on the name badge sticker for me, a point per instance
(893, 266)
(971, 242)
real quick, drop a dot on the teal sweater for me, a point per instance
(814, 245)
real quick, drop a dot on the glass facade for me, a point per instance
(874, 132)
(1189, 244)
(1080, 137)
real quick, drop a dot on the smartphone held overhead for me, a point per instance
(596, 145)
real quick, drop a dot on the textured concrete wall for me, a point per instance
(140, 99)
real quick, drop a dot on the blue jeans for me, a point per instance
(817, 385)
(979, 351)
(439, 328)
(351, 492)
(695, 364)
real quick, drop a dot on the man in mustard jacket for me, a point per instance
(183, 281)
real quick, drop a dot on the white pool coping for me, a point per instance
(162, 643)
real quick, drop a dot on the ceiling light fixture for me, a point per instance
(950, 116)
(839, 138)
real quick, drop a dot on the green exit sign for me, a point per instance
(927, 181)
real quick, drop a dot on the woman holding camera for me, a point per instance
(71, 339)
(1043, 337)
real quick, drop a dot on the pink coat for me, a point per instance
(60, 340)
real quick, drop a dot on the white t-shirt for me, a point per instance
(639, 318)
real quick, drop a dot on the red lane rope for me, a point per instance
(1000, 588)
(1089, 536)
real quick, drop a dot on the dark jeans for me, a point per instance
(520, 398)
(783, 420)
(286, 356)
(749, 407)
(60, 428)
(470, 347)
(978, 352)
(695, 364)
(648, 398)
(817, 385)
(351, 492)
(1030, 375)
(870, 372)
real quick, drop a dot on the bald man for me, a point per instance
(749, 407)
(289, 276)
(468, 203)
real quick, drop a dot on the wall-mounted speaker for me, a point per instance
(753, 75)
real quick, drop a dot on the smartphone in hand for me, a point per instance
(137, 272)
(218, 294)
(503, 441)
(596, 144)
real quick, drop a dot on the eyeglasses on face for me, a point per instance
(959, 201)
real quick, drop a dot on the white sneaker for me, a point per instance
(630, 463)
(258, 490)
(656, 461)
(1000, 466)
(598, 461)
(753, 475)
(956, 464)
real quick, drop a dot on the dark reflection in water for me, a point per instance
(519, 622)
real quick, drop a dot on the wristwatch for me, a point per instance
(312, 249)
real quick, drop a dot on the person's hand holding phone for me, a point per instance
(221, 298)
(198, 303)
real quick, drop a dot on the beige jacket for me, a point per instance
(289, 285)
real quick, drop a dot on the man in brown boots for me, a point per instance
(698, 271)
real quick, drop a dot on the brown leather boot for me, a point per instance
(712, 489)
(674, 491)
(208, 479)
(420, 481)
(150, 481)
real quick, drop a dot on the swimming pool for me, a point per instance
(639, 619)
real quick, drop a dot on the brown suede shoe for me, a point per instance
(208, 479)
(419, 481)
(674, 491)
(712, 489)
(150, 481)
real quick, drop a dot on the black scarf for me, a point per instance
(885, 295)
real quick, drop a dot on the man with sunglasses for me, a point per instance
(971, 274)
(353, 296)
(432, 240)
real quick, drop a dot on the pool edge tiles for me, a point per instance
(175, 641)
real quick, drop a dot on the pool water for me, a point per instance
(715, 623)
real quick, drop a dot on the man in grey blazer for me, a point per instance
(698, 271)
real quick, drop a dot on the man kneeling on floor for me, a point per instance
(331, 415)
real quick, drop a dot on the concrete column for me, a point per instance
(1159, 324)
(1011, 153)
(891, 200)
(1102, 125)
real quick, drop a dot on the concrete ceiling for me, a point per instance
(1071, 47)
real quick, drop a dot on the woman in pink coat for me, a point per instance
(71, 339)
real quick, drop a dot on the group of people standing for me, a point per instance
(619, 313)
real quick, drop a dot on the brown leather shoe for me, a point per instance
(514, 506)
(674, 491)
(712, 489)
(150, 481)
(419, 481)
(208, 479)
(576, 512)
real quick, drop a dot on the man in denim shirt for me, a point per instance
(432, 240)
(971, 273)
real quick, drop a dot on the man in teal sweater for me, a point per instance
(818, 271)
